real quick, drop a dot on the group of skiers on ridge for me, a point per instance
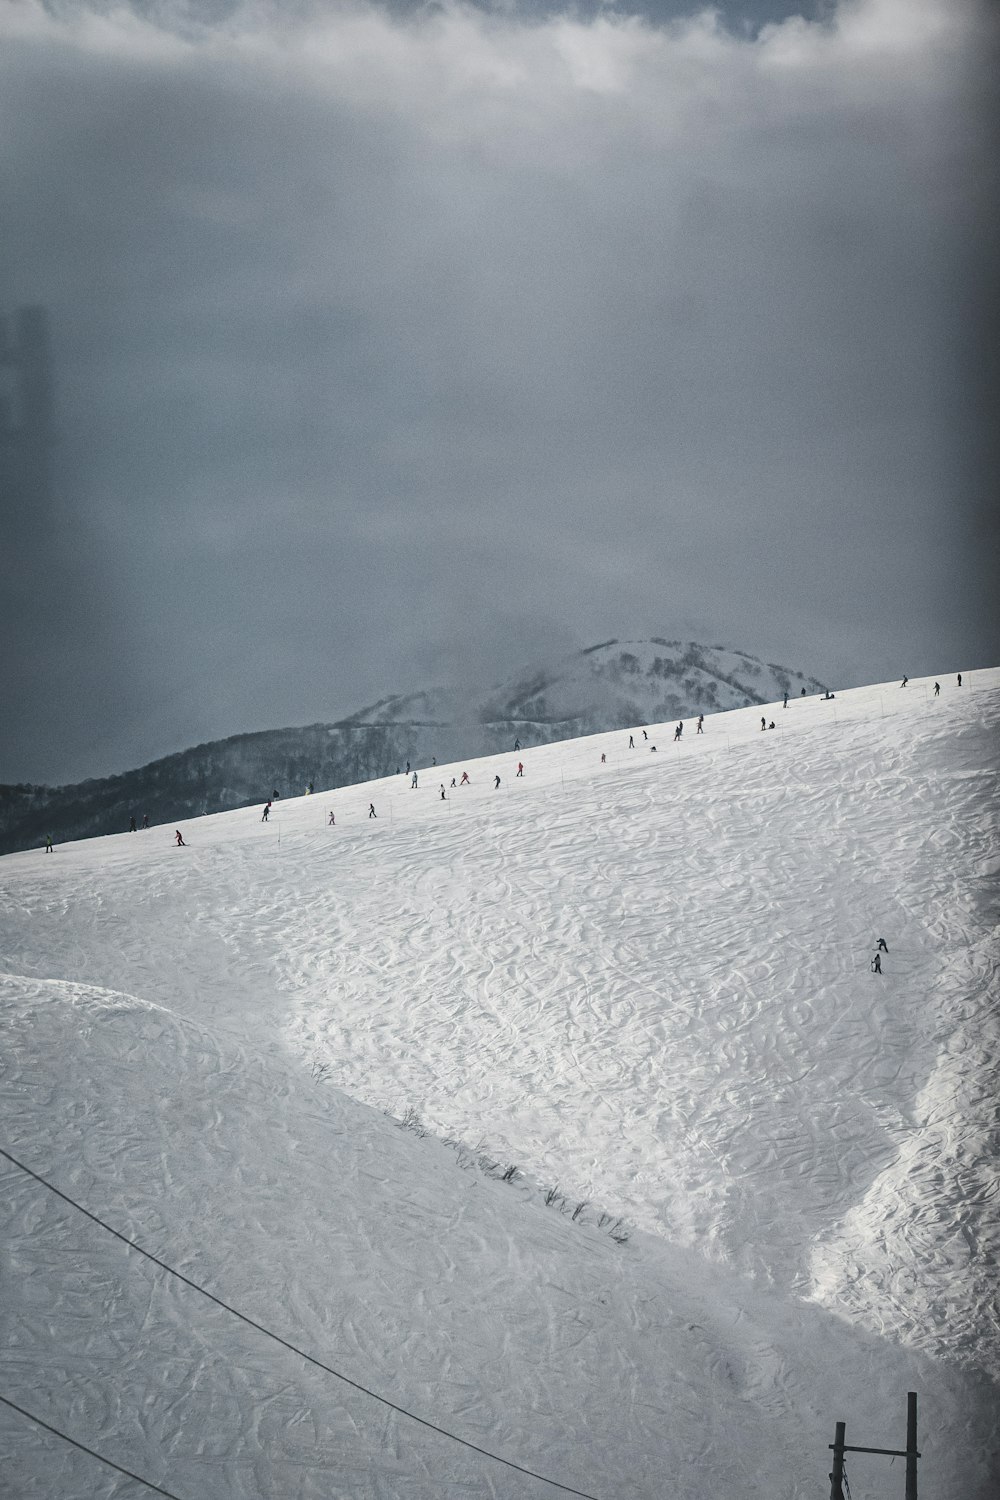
(179, 841)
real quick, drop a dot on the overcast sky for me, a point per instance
(399, 345)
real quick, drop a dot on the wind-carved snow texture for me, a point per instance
(645, 979)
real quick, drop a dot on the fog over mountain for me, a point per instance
(372, 344)
(614, 685)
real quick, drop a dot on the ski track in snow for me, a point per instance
(646, 981)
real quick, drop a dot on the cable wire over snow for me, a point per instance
(267, 1332)
(84, 1449)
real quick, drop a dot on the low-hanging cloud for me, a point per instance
(396, 347)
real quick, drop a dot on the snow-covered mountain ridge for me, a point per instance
(614, 685)
(641, 974)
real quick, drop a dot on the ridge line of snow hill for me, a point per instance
(585, 692)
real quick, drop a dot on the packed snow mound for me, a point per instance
(753, 1186)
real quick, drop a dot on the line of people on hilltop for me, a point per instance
(134, 826)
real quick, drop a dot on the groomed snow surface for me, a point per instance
(294, 1062)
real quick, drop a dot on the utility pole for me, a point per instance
(837, 1473)
(910, 1453)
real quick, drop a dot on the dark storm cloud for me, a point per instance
(394, 349)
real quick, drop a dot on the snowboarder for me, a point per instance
(904, 681)
(453, 781)
(496, 783)
(631, 742)
(937, 690)
(465, 779)
(701, 723)
(771, 725)
(371, 810)
(645, 735)
(652, 749)
(179, 839)
(679, 730)
(266, 813)
(331, 821)
(131, 823)
(520, 769)
(882, 945)
(48, 843)
(877, 964)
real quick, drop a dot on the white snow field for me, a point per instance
(644, 982)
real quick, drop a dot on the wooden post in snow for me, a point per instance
(910, 1453)
(911, 1445)
(837, 1473)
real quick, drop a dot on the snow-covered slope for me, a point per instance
(643, 982)
(604, 687)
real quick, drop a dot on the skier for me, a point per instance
(785, 704)
(48, 843)
(413, 780)
(803, 692)
(266, 813)
(763, 722)
(877, 964)
(517, 744)
(701, 723)
(679, 730)
(904, 681)
(145, 820)
(465, 779)
(179, 839)
(631, 742)
(496, 783)
(371, 810)
(520, 769)
(937, 690)
(443, 797)
(309, 789)
(453, 781)
(645, 735)
(603, 758)
(331, 821)
(131, 823)
(882, 945)
(275, 795)
(960, 679)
